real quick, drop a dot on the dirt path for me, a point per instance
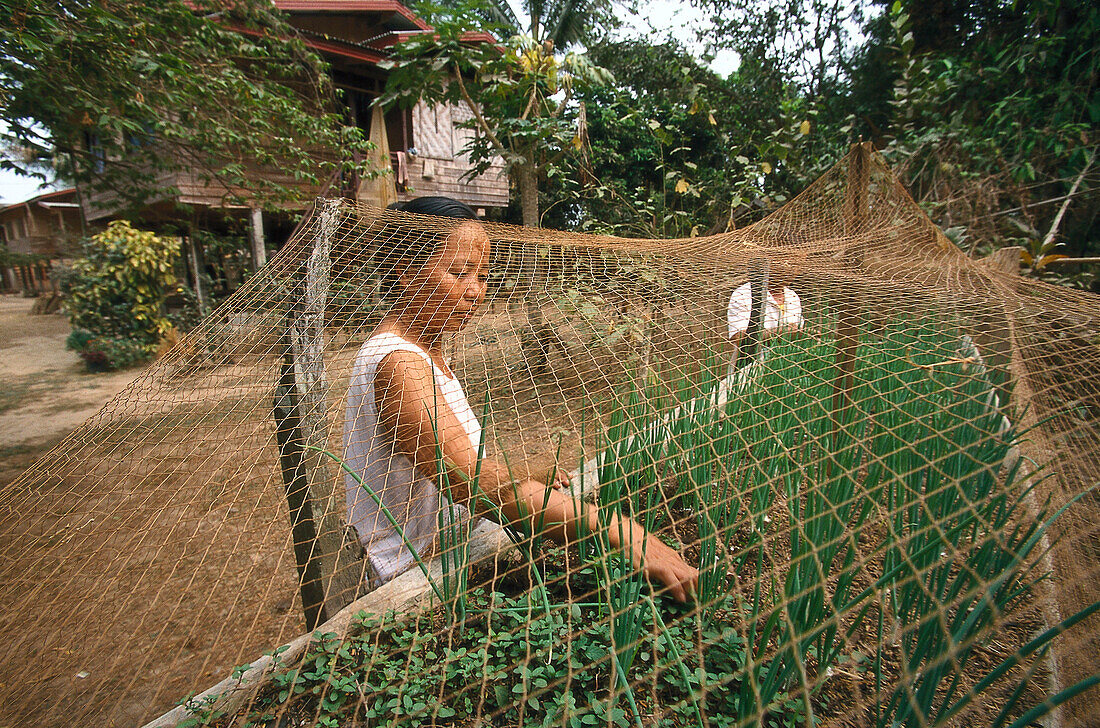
(44, 391)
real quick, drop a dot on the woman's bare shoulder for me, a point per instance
(403, 368)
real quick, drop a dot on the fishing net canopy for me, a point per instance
(891, 505)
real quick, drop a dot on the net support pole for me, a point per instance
(301, 412)
(750, 348)
(288, 433)
(194, 252)
(256, 234)
(1004, 341)
(845, 300)
(992, 331)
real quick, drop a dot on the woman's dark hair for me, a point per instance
(435, 205)
(400, 244)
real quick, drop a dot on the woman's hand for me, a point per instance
(665, 565)
(559, 479)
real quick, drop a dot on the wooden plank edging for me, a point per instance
(404, 594)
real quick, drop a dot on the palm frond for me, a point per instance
(571, 21)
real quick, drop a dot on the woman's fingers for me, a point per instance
(687, 579)
(559, 479)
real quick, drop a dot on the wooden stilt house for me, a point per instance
(425, 143)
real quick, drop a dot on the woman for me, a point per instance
(405, 409)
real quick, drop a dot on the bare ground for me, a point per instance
(44, 390)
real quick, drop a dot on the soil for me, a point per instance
(45, 392)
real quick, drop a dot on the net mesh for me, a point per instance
(874, 499)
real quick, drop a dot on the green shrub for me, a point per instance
(105, 354)
(187, 314)
(78, 339)
(116, 292)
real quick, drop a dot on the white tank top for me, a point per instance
(413, 500)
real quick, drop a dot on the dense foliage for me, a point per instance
(518, 93)
(995, 118)
(119, 94)
(988, 110)
(115, 296)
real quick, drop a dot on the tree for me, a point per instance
(677, 150)
(996, 128)
(807, 40)
(658, 158)
(517, 91)
(120, 93)
(564, 23)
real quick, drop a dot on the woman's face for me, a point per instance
(442, 294)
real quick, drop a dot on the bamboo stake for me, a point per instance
(1074, 261)
(328, 578)
(754, 334)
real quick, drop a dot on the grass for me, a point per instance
(887, 536)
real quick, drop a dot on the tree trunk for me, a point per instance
(528, 194)
(538, 344)
(847, 302)
(194, 252)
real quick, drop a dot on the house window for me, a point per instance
(143, 139)
(95, 150)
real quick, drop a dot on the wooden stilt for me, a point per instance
(259, 253)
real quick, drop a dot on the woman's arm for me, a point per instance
(406, 395)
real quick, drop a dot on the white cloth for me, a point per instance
(412, 499)
(740, 309)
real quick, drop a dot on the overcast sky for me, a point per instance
(660, 19)
(14, 188)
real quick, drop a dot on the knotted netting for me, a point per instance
(890, 501)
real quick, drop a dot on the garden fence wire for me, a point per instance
(892, 508)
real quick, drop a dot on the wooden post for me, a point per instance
(195, 254)
(259, 253)
(1006, 260)
(292, 463)
(992, 330)
(752, 343)
(846, 301)
(314, 488)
